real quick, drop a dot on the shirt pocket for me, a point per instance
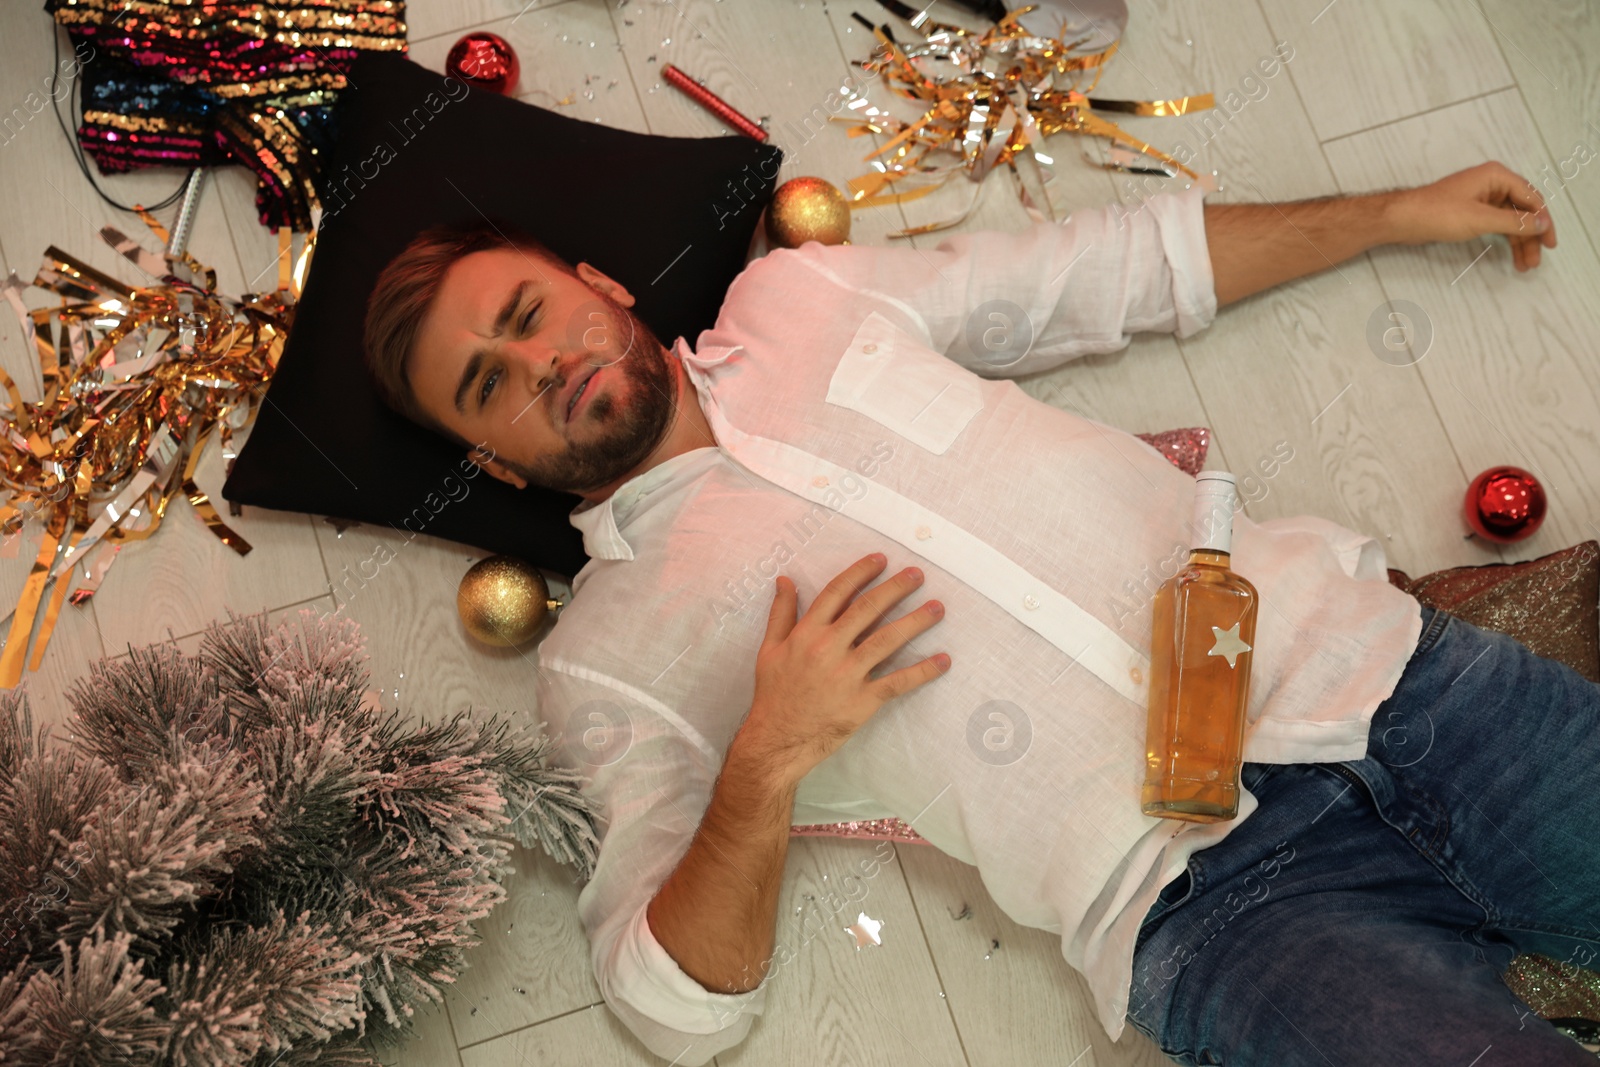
(893, 378)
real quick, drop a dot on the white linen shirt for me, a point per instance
(852, 414)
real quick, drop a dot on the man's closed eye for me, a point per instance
(493, 378)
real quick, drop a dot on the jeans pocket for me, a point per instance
(1174, 894)
(1434, 624)
(1177, 891)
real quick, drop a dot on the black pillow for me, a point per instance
(416, 149)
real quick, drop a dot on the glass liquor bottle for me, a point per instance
(1205, 623)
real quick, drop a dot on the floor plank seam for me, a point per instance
(1419, 114)
(938, 976)
(520, 1029)
(471, 26)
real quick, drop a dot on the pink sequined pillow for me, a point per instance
(1186, 449)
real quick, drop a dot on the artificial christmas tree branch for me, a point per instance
(242, 861)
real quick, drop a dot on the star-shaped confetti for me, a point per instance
(865, 931)
(1228, 643)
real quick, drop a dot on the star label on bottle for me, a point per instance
(1228, 643)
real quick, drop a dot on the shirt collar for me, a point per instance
(601, 521)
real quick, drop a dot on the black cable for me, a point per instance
(77, 148)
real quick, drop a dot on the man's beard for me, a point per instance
(631, 425)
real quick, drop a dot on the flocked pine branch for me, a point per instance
(17, 1033)
(95, 1007)
(417, 919)
(549, 813)
(259, 989)
(340, 1052)
(44, 808)
(313, 777)
(138, 712)
(16, 732)
(213, 1008)
(156, 847)
(280, 676)
(546, 808)
(147, 874)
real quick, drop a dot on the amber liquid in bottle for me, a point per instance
(1205, 623)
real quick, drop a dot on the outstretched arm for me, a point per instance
(1256, 246)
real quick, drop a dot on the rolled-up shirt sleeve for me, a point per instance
(1079, 287)
(653, 784)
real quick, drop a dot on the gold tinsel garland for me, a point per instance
(135, 382)
(1003, 102)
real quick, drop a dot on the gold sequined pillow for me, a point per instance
(1551, 604)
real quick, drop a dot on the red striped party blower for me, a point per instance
(712, 103)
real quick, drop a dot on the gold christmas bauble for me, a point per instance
(808, 209)
(503, 601)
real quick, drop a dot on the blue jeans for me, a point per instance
(1364, 913)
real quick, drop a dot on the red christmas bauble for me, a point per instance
(1505, 504)
(485, 61)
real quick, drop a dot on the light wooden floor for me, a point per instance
(1376, 95)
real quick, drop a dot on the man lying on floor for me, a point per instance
(838, 425)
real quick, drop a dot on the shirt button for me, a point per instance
(1030, 601)
(923, 533)
(819, 481)
(869, 349)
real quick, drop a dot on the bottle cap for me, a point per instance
(1214, 504)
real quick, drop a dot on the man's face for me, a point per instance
(505, 348)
